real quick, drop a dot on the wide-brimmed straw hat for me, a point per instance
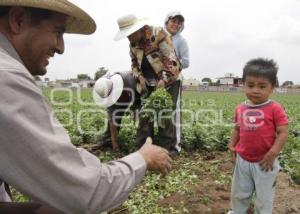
(129, 24)
(78, 22)
(108, 89)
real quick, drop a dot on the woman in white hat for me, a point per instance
(174, 25)
(154, 64)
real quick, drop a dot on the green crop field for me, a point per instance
(206, 126)
(206, 121)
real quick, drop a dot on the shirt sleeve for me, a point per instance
(184, 54)
(169, 59)
(136, 72)
(38, 159)
(237, 116)
(134, 64)
(280, 116)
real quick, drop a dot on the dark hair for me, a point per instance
(4, 10)
(261, 67)
(36, 14)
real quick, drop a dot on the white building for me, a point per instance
(190, 82)
(230, 80)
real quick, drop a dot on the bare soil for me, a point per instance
(209, 197)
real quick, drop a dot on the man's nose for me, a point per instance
(60, 46)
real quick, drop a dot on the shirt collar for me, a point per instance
(7, 47)
(247, 104)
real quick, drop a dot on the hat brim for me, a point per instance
(130, 30)
(179, 16)
(78, 21)
(115, 94)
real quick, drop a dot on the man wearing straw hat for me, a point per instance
(154, 64)
(36, 155)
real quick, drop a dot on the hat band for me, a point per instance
(127, 24)
(110, 90)
(130, 23)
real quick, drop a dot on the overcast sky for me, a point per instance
(222, 36)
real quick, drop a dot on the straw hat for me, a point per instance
(128, 25)
(107, 90)
(78, 22)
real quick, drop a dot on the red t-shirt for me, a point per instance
(258, 128)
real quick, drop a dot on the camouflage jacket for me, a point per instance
(160, 53)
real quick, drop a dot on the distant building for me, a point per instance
(230, 80)
(205, 83)
(87, 83)
(190, 82)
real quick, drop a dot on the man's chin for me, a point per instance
(43, 72)
(38, 72)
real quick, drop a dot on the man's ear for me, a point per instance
(17, 19)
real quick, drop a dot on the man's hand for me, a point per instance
(157, 158)
(267, 162)
(161, 84)
(142, 82)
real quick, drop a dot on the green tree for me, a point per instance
(217, 83)
(100, 72)
(287, 84)
(83, 77)
(206, 79)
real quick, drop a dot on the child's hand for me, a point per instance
(267, 162)
(231, 147)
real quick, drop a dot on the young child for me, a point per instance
(259, 134)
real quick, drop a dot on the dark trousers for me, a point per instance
(116, 118)
(26, 208)
(166, 136)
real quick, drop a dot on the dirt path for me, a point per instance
(211, 195)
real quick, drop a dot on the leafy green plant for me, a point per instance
(158, 105)
(155, 188)
(290, 158)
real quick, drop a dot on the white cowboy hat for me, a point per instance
(129, 24)
(107, 90)
(78, 21)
